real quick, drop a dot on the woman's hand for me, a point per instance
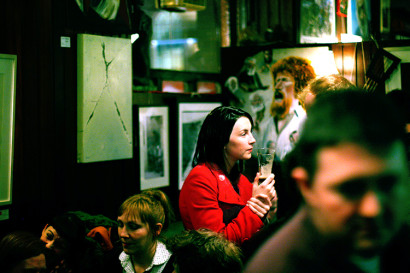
(266, 187)
(264, 198)
(259, 205)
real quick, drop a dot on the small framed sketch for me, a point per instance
(191, 116)
(153, 147)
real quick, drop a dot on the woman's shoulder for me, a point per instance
(202, 174)
(204, 169)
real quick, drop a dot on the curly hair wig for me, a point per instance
(299, 68)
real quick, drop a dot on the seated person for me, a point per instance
(75, 246)
(203, 251)
(21, 252)
(141, 220)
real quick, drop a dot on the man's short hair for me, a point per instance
(350, 116)
(324, 84)
(204, 251)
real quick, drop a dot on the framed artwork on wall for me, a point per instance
(104, 101)
(317, 22)
(190, 118)
(397, 79)
(257, 99)
(8, 64)
(153, 147)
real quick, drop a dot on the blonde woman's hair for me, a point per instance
(151, 206)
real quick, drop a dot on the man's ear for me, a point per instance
(158, 229)
(301, 177)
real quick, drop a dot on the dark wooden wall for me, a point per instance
(27, 32)
(47, 178)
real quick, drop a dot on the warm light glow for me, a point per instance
(326, 65)
(348, 64)
(339, 63)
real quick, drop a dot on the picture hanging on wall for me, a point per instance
(191, 116)
(8, 71)
(153, 147)
(252, 84)
(104, 118)
(317, 21)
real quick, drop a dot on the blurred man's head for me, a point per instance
(290, 76)
(204, 251)
(321, 85)
(351, 168)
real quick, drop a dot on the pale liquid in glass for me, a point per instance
(265, 171)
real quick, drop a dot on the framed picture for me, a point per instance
(8, 72)
(317, 21)
(104, 101)
(153, 147)
(191, 116)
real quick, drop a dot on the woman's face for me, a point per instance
(136, 236)
(240, 143)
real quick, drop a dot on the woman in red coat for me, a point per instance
(215, 195)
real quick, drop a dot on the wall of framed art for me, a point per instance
(166, 127)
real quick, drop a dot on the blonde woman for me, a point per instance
(141, 219)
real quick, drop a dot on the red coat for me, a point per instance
(207, 193)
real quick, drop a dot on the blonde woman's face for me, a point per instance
(136, 236)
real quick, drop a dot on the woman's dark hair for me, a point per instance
(17, 246)
(215, 133)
